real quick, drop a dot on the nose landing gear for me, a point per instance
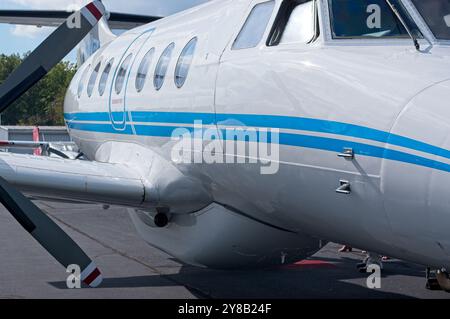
(371, 259)
(437, 280)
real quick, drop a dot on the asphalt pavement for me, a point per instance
(134, 269)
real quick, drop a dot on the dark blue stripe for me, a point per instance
(275, 121)
(335, 145)
(331, 127)
(298, 140)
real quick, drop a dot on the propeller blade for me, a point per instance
(48, 233)
(50, 52)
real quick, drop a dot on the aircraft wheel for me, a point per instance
(433, 284)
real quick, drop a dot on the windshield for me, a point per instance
(436, 14)
(364, 18)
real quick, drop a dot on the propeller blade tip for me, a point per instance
(97, 281)
(92, 276)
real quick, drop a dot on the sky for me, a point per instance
(21, 39)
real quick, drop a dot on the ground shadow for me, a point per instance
(341, 280)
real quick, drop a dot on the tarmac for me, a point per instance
(134, 269)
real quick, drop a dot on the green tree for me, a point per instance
(43, 104)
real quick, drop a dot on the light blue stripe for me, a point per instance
(176, 118)
(100, 128)
(93, 117)
(297, 140)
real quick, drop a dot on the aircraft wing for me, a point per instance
(40, 18)
(55, 178)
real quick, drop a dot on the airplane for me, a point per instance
(248, 133)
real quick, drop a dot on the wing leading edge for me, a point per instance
(54, 178)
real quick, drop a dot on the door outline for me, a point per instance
(121, 123)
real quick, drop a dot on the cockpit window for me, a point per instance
(255, 26)
(436, 14)
(296, 23)
(364, 19)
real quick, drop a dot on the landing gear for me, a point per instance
(437, 280)
(432, 282)
(371, 259)
(362, 267)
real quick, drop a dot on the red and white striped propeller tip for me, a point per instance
(91, 276)
(93, 12)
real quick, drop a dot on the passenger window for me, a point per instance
(93, 79)
(120, 80)
(82, 80)
(253, 30)
(104, 77)
(295, 23)
(184, 63)
(364, 19)
(162, 66)
(143, 69)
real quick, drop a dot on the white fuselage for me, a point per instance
(381, 98)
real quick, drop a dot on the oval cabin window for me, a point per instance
(93, 79)
(82, 79)
(143, 69)
(104, 77)
(184, 63)
(162, 66)
(120, 80)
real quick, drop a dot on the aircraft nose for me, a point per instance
(416, 184)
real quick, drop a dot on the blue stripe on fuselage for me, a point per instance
(275, 121)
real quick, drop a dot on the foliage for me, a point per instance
(44, 103)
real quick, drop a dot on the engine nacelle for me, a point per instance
(217, 237)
